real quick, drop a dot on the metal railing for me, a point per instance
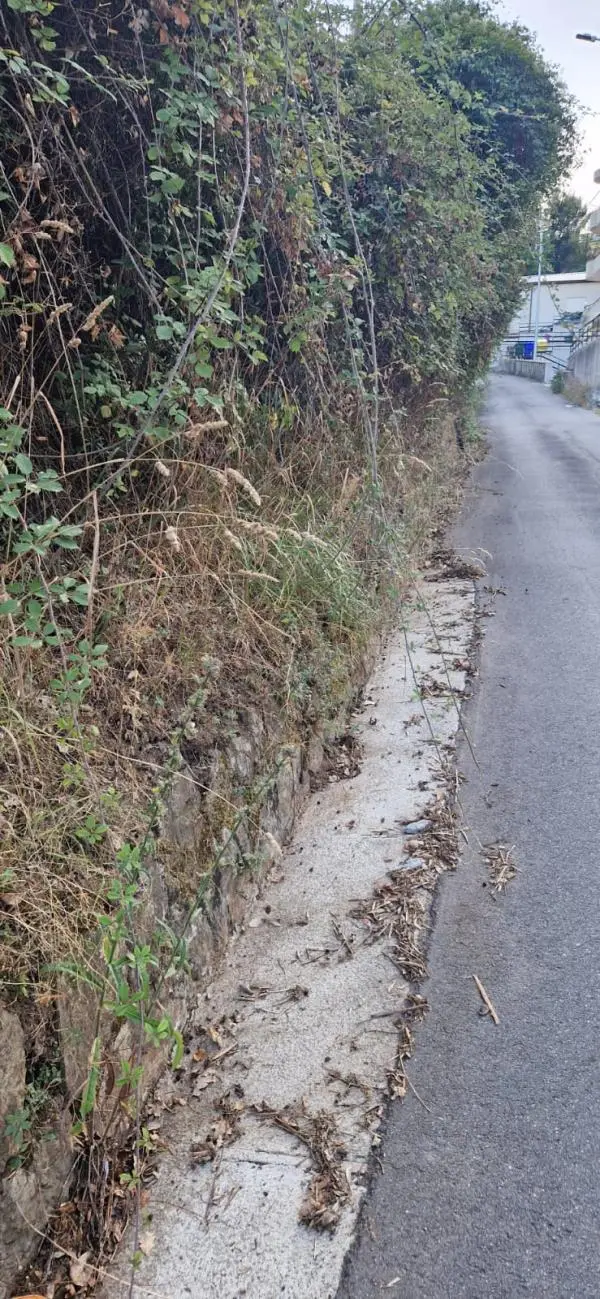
(585, 335)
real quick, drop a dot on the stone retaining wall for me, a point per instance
(252, 752)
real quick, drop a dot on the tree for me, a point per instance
(461, 127)
(566, 245)
(521, 115)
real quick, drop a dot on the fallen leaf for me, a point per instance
(11, 899)
(180, 17)
(116, 336)
(205, 1080)
(80, 1271)
(30, 264)
(147, 1239)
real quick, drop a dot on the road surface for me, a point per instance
(494, 1189)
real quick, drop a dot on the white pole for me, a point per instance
(539, 291)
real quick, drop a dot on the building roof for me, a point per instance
(564, 277)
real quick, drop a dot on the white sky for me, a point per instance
(555, 23)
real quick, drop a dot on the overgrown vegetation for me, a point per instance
(253, 260)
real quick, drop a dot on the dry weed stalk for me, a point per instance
(502, 868)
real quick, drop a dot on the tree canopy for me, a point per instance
(566, 244)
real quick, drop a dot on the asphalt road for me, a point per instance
(494, 1189)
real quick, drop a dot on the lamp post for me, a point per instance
(539, 290)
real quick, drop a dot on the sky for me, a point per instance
(555, 23)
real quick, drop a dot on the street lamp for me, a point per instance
(536, 336)
(586, 36)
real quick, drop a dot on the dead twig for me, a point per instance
(329, 1189)
(341, 937)
(489, 1006)
(93, 569)
(502, 867)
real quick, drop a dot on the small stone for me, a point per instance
(418, 827)
(411, 864)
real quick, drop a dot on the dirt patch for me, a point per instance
(341, 761)
(445, 563)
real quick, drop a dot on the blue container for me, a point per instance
(528, 348)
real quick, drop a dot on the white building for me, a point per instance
(565, 309)
(564, 299)
(566, 294)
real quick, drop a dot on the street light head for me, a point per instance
(586, 36)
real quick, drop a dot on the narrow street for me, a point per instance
(491, 1185)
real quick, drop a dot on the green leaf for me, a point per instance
(9, 606)
(26, 642)
(88, 1098)
(23, 463)
(178, 1049)
(7, 256)
(48, 481)
(66, 543)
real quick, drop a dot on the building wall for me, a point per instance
(585, 366)
(555, 298)
(592, 309)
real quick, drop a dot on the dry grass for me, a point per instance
(265, 584)
(262, 585)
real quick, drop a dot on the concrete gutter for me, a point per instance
(302, 998)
